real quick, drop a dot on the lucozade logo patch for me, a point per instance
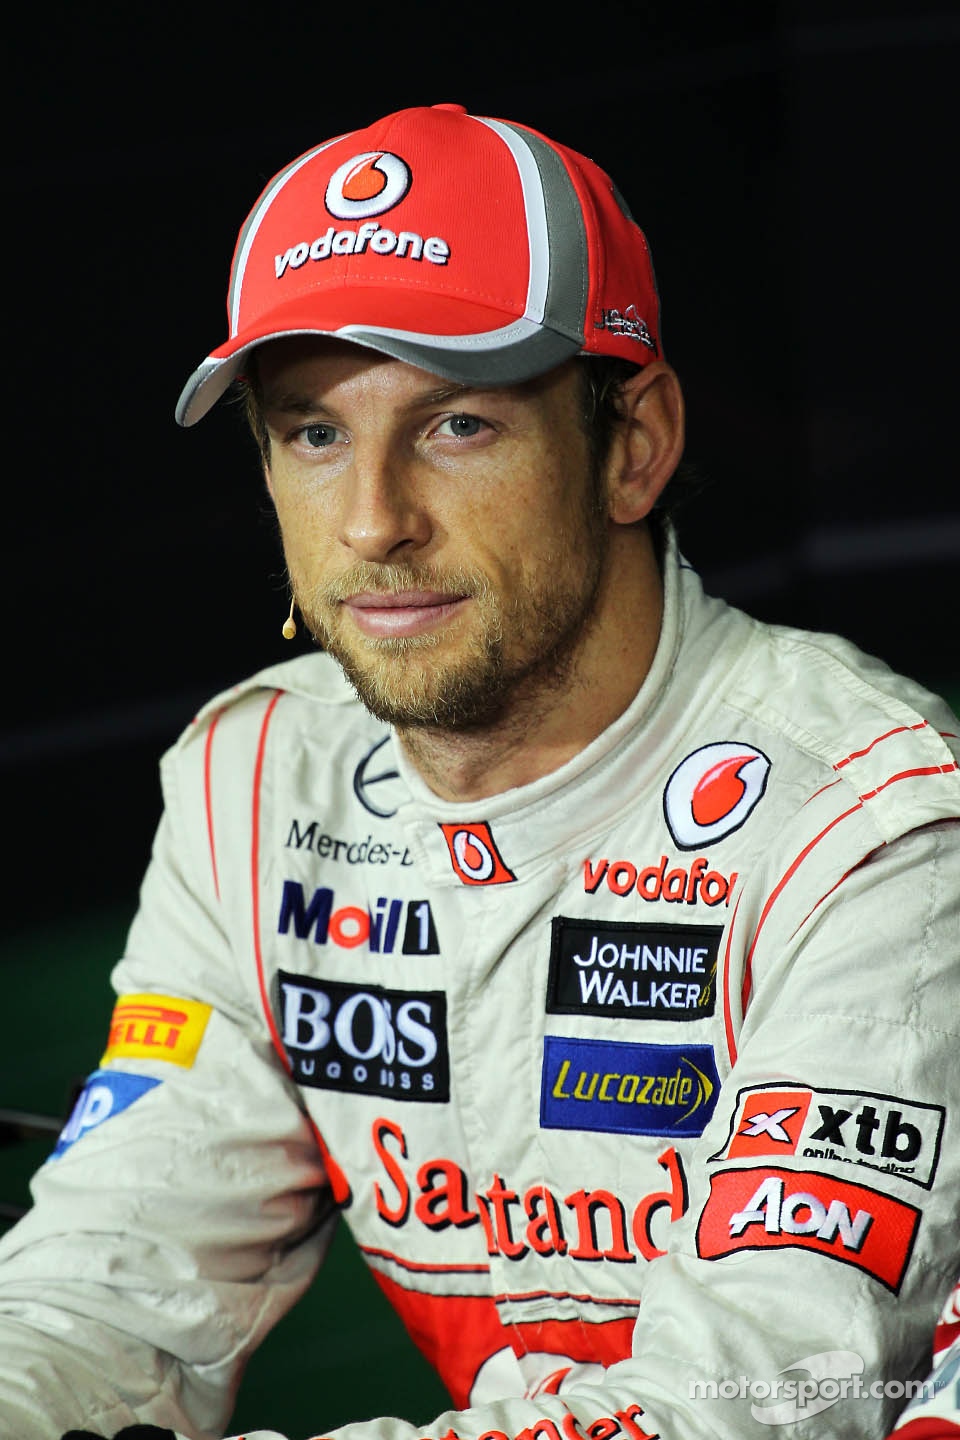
(617, 1086)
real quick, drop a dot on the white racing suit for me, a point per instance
(637, 1086)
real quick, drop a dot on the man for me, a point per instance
(591, 948)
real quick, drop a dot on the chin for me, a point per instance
(413, 690)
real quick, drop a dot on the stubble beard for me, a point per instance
(405, 681)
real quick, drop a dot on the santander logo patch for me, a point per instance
(366, 185)
(712, 792)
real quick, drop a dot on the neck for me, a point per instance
(551, 718)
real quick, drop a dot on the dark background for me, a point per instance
(793, 165)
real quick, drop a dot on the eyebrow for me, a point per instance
(291, 402)
(444, 393)
(296, 402)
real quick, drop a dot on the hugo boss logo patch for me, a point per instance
(633, 971)
(365, 1039)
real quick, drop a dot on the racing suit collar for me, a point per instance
(536, 824)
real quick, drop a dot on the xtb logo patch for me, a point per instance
(769, 1122)
(474, 854)
(772, 1125)
(882, 1132)
(712, 792)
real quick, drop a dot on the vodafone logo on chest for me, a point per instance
(366, 185)
(713, 791)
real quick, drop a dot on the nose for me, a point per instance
(383, 515)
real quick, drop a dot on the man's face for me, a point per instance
(446, 545)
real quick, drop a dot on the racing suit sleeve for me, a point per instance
(187, 1208)
(856, 997)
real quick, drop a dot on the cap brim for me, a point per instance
(469, 343)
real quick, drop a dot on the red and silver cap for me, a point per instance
(474, 248)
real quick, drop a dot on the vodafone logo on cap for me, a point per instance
(474, 855)
(712, 792)
(366, 185)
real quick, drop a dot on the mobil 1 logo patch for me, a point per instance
(632, 971)
(365, 1039)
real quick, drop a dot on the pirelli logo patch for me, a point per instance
(156, 1027)
(637, 972)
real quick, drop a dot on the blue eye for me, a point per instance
(319, 436)
(463, 426)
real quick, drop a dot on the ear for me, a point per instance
(648, 444)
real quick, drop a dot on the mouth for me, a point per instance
(406, 612)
